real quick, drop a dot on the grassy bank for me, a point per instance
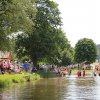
(7, 79)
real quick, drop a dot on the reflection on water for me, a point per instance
(55, 89)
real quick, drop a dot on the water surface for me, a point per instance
(54, 89)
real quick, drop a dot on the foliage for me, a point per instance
(15, 15)
(85, 50)
(67, 56)
(47, 41)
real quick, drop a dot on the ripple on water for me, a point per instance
(55, 89)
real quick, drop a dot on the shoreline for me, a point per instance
(9, 79)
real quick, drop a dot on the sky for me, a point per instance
(81, 19)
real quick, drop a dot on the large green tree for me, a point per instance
(85, 50)
(47, 40)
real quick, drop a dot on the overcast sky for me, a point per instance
(81, 18)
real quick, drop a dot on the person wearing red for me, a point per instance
(8, 67)
(79, 73)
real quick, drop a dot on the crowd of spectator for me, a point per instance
(7, 66)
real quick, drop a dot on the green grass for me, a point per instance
(8, 79)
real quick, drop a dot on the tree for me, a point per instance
(85, 50)
(15, 16)
(41, 42)
(47, 40)
(67, 56)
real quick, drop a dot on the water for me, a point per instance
(54, 89)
